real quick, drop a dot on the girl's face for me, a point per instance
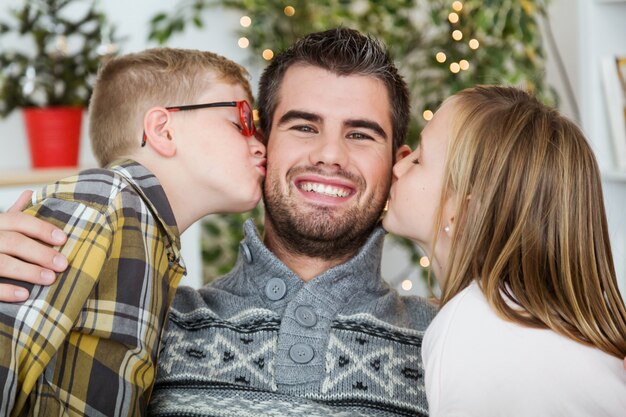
(416, 193)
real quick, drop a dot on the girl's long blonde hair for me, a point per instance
(530, 223)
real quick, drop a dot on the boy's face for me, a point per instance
(221, 161)
(329, 157)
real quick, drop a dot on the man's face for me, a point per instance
(329, 161)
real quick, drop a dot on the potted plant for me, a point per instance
(49, 56)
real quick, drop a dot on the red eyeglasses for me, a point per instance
(246, 116)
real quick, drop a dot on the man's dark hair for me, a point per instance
(341, 51)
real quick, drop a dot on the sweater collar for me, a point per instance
(337, 284)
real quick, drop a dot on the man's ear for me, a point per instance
(158, 131)
(402, 152)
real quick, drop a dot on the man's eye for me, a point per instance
(303, 128)
(359, 136)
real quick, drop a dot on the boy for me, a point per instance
(167, 123)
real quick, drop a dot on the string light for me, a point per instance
(424, 262)
(268, 54)
(245, 21)
(455, 67)
(407, 285)
(289, 11)
(427, 115)
(243, 42)
(453, 17)
(474, 44)
(441, 57)
(464, 64)
(457, 6)
(457, 35)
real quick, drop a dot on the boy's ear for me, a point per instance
(158, 131)
(402, 152)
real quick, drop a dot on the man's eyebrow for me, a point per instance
(298, 114)
(367, 124)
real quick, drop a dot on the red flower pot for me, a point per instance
(53, 135)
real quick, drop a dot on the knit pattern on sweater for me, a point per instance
(228, 349)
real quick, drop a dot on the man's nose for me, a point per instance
(330, 150)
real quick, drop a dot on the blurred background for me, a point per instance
(564, 50)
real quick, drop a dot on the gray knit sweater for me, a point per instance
(262, 342)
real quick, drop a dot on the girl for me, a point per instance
(504, 194)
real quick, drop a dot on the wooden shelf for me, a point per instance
(17, 177)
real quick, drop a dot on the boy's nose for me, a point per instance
(256, 147)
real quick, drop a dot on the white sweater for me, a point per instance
(480, 365)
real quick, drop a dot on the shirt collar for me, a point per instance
(147, 185)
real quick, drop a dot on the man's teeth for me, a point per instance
(324, 189)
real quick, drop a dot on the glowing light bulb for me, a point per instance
(243, 42)
(427, 115)
(453, 17)
(424, 262)
(474, 44)
(457, 35)
(455, 67)
(441, 57)
(289, 11)
(245, 21)
(457, 6)
(268, 54)
(407, 285)
(464, 64)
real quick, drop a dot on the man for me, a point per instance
(304, 324)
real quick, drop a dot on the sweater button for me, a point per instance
(305, 316)
(301, 353)
(275, 289)
(246, 252)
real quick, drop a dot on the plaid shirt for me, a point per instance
(88, 344)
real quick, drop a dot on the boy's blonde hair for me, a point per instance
(129, 85)
(530, 224)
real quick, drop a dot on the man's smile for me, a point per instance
(325, 189)
(330, 190)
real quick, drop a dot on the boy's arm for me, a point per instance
(33, 333)
(90, 343)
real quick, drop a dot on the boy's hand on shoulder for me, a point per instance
(25, 252)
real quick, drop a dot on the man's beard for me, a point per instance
(319, 231)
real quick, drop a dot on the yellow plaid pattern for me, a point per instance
(88, 344)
